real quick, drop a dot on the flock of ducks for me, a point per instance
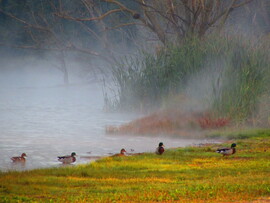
(159, 151)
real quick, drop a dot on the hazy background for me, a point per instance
(45, 118)
(58, 62)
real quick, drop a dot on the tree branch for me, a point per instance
(63, 15)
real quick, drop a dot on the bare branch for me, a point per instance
(63, 15)
(242, 4)
(122, 25)
(23, 21)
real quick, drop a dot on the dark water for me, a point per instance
(46, 122)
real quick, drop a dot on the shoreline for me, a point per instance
(186, 174)
(91, 159)
(210, 137)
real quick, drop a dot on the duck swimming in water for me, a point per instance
(160, 149)
(19, 158)
(227, 151)
(67, 159)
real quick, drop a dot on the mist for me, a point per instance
(45, 118)
(57, 66)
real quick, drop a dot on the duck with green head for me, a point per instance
(67, 159)
(227, 151)
(160, 149)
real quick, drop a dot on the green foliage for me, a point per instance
(147, 78)
(243, 134)
(242, 75)
(245, 80)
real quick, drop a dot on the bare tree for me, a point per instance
(99, 31)
(47, 30)
(174, 19)
(43, 33)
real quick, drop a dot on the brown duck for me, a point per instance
(19, 158)
(122, 153)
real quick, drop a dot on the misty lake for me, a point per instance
(46, 122)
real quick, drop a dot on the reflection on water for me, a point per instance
(17, 165)
(49, 122)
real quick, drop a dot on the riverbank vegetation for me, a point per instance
(190, 174)
(211, 54)
(219, 75)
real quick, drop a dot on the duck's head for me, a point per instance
(161, 144)
(123, 151)
(233, 145)
(23, 155)
(73, 154)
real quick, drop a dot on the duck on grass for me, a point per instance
(227, 151)
(189, 174)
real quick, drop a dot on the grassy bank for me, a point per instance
(191, 174)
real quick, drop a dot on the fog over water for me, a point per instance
(45, 120)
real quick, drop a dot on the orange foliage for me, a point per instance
(207, 122)
(168, 122)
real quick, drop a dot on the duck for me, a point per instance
(122, 153)
(67, 159)
(160, 149)
(19, 158)
(227, 151)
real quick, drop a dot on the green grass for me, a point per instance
(190, 174)
(239, 134)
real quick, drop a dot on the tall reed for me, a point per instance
(147, 79)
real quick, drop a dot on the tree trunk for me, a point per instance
(64, 67)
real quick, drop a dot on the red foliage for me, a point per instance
(169, 123)
(210, 123)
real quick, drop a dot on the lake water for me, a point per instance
(46, 122)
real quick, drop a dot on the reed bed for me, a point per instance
(241, 79)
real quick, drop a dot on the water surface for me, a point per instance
(45, 122)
